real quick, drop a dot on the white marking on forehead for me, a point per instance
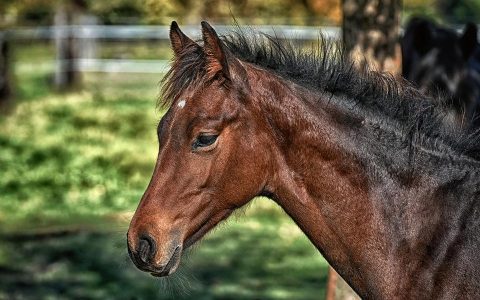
(182, 103)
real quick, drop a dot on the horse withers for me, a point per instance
(364, 164)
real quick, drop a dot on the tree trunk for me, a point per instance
(5, 78)
(371, 33)
(371, 37)
(67, 76)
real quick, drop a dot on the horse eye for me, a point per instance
(204, 140)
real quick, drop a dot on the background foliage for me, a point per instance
(307, 12)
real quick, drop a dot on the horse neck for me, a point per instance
(333, 176)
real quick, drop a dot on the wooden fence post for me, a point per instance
(337, 288)
(87, 48)
(5, 77)
(66, 75)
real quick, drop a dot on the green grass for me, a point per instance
(73, 168)
(33, 52)
(78, 154)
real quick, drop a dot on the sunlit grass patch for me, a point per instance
(70, 154)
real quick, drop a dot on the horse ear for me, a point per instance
(179, 40)
(215, 52)
(468, 41)
(423, 37)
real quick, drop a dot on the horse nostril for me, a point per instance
(146, 248)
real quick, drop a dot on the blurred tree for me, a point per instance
(119, 11)
(371, 31)
(329, 8)
(6, 86)
(5, 13)
(420, 8)
(459, 11)
(305, 12)
(42, 12)
(5, 78)
(67, 13)
(27, 12)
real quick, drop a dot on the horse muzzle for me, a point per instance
(146, 256)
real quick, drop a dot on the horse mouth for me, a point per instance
(174, 260)
(172, 264)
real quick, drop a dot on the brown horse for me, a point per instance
(362, 163)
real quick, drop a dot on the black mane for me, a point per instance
(327, 68)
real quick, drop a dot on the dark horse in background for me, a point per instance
(443, 64)
(362, 163)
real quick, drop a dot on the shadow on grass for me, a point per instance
(238, 261)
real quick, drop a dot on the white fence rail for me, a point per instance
(161, 32)
(90, 34)
(122, 65)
